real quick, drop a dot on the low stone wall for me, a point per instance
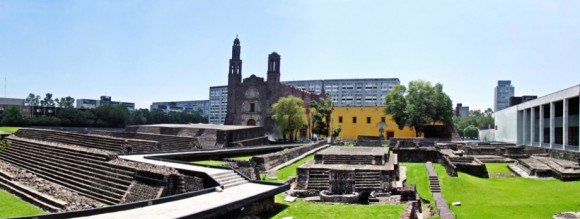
(268, 161)
(418, 154)
(469, 165)
(372, 141)
(347, 198)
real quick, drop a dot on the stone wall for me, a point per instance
(418, 154)
(410, 210)
(268, 161)
(326, 196)
(469, 165)
(373, 141)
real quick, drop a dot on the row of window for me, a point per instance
(369, 120)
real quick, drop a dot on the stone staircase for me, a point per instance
(348, 159)
(167, 142)
(85, 172)
(367, 179)
(86, 140)
(434, 184)
(229, 179)
(318, 179)
(45, 202)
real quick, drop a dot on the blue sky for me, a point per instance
(146, 51)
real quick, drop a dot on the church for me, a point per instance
(250, 99)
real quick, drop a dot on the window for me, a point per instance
(368, 120)
(354, 119)
(383, 119)
(340, 119)
(252, 107)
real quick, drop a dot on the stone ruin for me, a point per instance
(40, 169)
(350, 175)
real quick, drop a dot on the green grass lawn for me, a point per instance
(9, 129)
(417, 174)
(12, 206)
(508, 197)
(290, 170)
(304, 209)
(498, 167)
(209, 162)
(242, 157)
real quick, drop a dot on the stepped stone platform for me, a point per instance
(95, 173)
(348, 170)
(176, 137)
(537, 166)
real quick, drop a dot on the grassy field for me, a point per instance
(497, 167)
(417, 174)
(209, 162)
(288, 171)
(303, 209)
(9, 129)
(508, 197)
(12, 206)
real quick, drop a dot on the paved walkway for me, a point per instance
(193, 205)
(443, 209)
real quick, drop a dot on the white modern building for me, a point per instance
(344, 92)
(550, 121)
(502, 93)
(201, 106)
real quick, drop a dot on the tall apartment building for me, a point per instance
(503, 91)
(183, 106)
(344, 92)
(218, 104)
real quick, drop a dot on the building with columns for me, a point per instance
(550, 121)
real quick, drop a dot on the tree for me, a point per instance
(33, 100)
(47, 101)
(476, 118)
(108, 115)
(321, 116)
(65, 102)
(12, 117)
(289, 115)
(471, 132)
(420, 105)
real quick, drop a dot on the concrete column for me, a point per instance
(524, 127)
(541, 131)
(532, 123)
(565, 123)
(552, 123)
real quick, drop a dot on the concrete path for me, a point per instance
(193, 205)
(143, 159)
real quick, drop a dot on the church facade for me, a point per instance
(250, 99)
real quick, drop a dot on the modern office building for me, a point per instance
(344, 92)
(92, 103)
(503, 91)
(201, 106)
(550, 121)
(461, 111)
(351, 92)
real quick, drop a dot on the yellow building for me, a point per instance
(356, 121)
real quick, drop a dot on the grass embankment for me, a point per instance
(12, 206)
(209, 162)
(9, 129)
(508, 197)
(417, 174)
(303, 209)
(498, 168)
(290, 170)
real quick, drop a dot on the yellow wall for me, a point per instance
(352, 130)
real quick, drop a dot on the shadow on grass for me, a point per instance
(278, 207)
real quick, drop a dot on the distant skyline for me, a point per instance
(153, 51)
